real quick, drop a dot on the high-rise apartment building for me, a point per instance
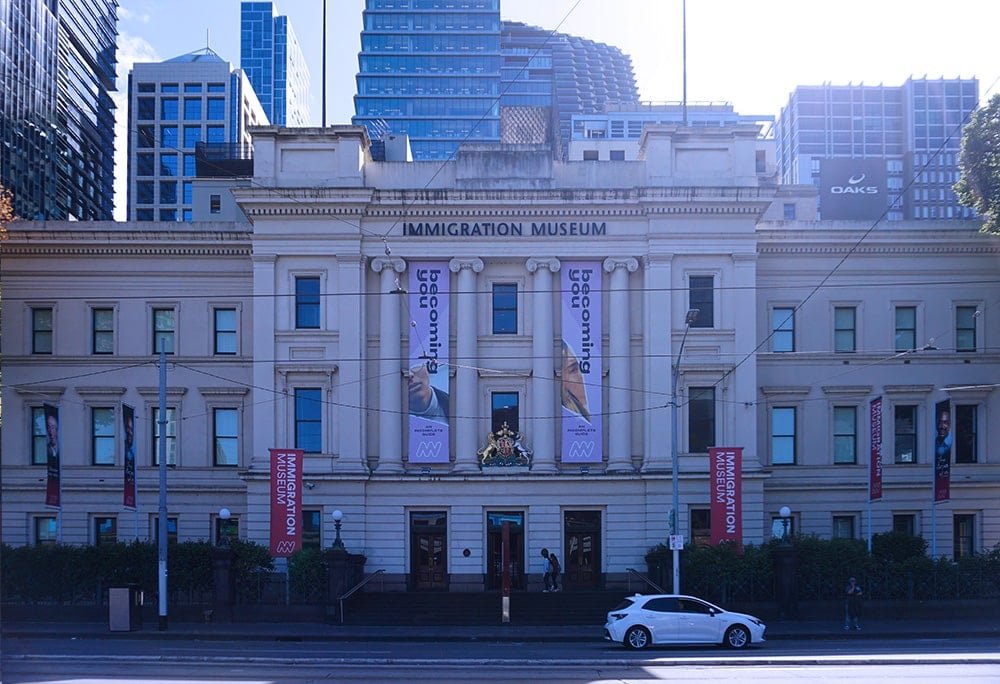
(175, 106)
(904, 140)
(441, 72)
(57, 66)
(272, 59)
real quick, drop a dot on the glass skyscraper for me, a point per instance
(272, 59)
(916, 129)
(441, 70)
(57, 66)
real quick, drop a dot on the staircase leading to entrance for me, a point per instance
(444, 608)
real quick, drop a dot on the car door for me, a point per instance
(697, 623)
(660, 615)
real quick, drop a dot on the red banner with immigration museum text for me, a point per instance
(286, 501)
(875, 463)
(725, 468)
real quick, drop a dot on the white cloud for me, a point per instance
(125, 14)
(131, 49)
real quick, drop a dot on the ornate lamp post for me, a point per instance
(338, 517)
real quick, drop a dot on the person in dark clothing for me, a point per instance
(852, 608)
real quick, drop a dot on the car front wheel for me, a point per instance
(737, 636)
(637, 637)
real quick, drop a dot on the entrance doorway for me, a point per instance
(428, 550)
(582, 537)
(494, 542)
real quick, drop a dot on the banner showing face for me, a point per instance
(943, 439)
(581, 362)
(427, 387)
(53, 484)
(128, 432)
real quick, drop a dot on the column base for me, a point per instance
(389, 469)
(620, 467)
(544, 467)
(464, 467)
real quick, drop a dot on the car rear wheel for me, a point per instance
(737, 636)
(637, 637)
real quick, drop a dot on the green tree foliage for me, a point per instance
(979, 186)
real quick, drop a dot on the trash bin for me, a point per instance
(125, 608)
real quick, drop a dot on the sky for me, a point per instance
(751, 53)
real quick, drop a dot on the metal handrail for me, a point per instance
(350, 592)
(654, 585)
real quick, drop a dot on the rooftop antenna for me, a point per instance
(324, 64)
(684, 62)
(208, 42)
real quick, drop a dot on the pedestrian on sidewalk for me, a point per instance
(852, 605)
(555, 570)
(547, 571)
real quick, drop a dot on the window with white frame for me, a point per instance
(906, 328)
(843, 527)
(102, 435)
(41, 330)
(701, 297)
(224, 331)
(701, 419)
(964, 528)
(307, 302)
(105, 530)
(46, 532)
(845, 434)
(905, 433)
(171, 435)
(225, 434)
(783, 329)
(102, 330)
(39, 437)
(164, 330)
(844, 331)
(965, 328)
(504, 308)
(309, 419)
(966, 433)
(783, 435)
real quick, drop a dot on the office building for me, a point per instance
(272, 59)
(875, 150)
(493, 340)
(443, 74)
(57, 66)
(175, 106)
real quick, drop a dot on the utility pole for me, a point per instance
(162, 443)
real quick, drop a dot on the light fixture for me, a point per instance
(338, 517)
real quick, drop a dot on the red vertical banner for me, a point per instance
(943, 440)
(128, 429)
(875, 464)
(725, 467)
(286, 501)
(53, 483)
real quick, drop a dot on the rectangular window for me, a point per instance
(966, 433)
(504, 309)
(168, 192)
(307, 303)
(145, 164)
(215, 134)
(311, 520)
(906, 328)
(103, 331)
(701, 419)
(164, 328)
(192, 109)
(146, 108)
(215, 204)
(171, 436)
(45, 530)
(216, 110)
(905, 431)
(146, 135)
(168, 164)
(843, 527)
(171, 529)
(168, 137)
(617, 155)
(845, 434)
(192, 136)
(965, 329)
(964, 535)
(590, 155)
(41, 330)
(102, 436)
(789, 211)
(504, 409)
(783, 435)
(905, 523)
(783, 329)
(227, 530)
(225, 331)
(844, 332)
(105, 531)
(225, 422)
(701, 527)
(39, 437)
(701, 296)
(309, 419)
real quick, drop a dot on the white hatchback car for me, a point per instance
(644, 620)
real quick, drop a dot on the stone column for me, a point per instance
(544, 406)
(619, 334)
(390, 384)
(657, 348)
(465, 401)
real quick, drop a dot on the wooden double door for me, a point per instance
(581, 565)
(428, 550)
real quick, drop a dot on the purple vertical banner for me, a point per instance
(582, 399)
(943, 439)
(429, 404)
(128, 425)
(875, 463)
(53, 483)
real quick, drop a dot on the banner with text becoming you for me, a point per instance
(725, 468)
(286, 501)
(427, 387)
(582, 399)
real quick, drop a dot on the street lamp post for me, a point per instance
(689, 318)
(338, 517)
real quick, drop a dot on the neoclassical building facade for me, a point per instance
(504, 339)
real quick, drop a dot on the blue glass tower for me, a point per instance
(271, 57)
(430, 69)
(57, 66)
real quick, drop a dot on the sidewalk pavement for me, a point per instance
(299, 631)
